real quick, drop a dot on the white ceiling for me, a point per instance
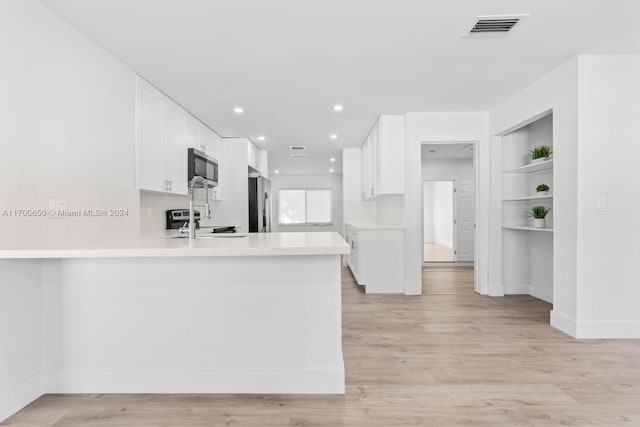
(447, 151)
(287, 62)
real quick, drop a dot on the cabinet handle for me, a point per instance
(169, 185)
(373, 191)
(352, 245)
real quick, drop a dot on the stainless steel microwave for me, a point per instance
(199, 164)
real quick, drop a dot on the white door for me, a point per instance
(465, 220)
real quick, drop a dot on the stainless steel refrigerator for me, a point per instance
(259, 205)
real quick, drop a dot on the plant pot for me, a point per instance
(539, 223)
(539, 160)
(542, 193)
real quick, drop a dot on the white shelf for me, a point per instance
(526, 228)
(537, 167)
(527, 198)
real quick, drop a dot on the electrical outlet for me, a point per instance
(603, 204)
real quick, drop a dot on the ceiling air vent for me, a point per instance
(297, 147)
(495, 25)
(299, 154)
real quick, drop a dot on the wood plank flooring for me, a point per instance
(446, 358)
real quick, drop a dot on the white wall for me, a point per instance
(67, 131)
(354, 208)
(442, 213)
(68, 105)
(427, 210)
(443, 127)
(608, 243)
(333, 181)
(234, 208)
(21, 348)
(557, 91)
(447, 169)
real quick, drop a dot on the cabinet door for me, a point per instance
(251, 154)
(374, 179)
(192, 133)
(365, 167)
(149, 158)
(212, 142)
(391, 155)
(174, 147)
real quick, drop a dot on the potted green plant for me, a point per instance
(540, 153)
(539, 214)
(542, 190)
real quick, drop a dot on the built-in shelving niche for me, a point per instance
(527, 252)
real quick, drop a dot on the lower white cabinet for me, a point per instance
(376, 258)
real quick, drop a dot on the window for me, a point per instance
(304, 206)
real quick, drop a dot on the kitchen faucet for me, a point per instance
(200, 182)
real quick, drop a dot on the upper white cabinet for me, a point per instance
(200, 137)
(257, 159)
(149, 171)
(164, 131)
(382, 158)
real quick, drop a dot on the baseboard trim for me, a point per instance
(608, 329)
(563, 323)
(495, 290)
(231, 381)
(411, 288)
(19, 395)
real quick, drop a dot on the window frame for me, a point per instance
(307, 224)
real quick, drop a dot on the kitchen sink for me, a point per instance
(213, 235)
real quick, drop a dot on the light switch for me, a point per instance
(603, 204)
(149, 212)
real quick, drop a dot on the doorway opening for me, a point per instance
(449, 212)
(438, 217)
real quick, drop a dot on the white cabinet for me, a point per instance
(257, 159)
(376, 259)
(160, 142)
(149, 153)
(164, 131)
(251, 154)
(200, 137)
(382, 158)
(174, 149)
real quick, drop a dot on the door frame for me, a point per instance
(476, 176)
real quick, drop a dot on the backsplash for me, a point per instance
(36, 210)
(154, 205)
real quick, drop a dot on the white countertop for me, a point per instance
(366, 226)
(166, 245)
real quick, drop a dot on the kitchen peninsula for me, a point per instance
(253, 314)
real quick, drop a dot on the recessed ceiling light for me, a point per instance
(332, 159)
(333, 136)
(331, 170)
(261, 138)
(276, 171)
(338, 107)
(238, 110)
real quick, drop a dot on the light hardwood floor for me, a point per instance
(446, 358)
(438, 253)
